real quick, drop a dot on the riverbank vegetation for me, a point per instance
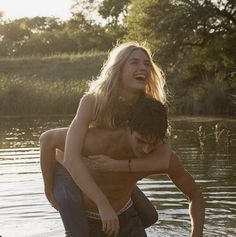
(46, 85)
(46, 63)
(54, 85)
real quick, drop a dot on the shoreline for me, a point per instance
(175, 118)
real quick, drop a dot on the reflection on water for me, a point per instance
(207, 149)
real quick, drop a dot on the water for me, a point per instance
(207, 152)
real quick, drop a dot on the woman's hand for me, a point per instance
(101, 162)
(110, 221)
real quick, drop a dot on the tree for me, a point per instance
(194, 40)
(1, 16)
(88, 9)
(114, 11)
(43, 24)
(13, 35)
(96, 24)
(48, 43)
(176, 28)
(38, 35)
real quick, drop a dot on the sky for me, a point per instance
(14, 9)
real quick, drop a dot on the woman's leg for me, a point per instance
(70, 204)
(146, 211)
(60, 188)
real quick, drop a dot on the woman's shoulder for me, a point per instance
(88, 99)
(86, 106)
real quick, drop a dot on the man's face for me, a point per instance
(140, 145)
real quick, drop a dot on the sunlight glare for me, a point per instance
(14, 9)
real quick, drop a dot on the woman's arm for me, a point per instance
(156, 161)
(74, 164)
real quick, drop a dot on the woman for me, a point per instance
(128, 74)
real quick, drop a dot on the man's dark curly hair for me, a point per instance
(148, 117)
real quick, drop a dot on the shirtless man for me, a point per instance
(146, 127)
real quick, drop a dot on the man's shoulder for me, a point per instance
(176, 168)
(102, 140)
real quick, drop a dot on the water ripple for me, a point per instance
(24, 209)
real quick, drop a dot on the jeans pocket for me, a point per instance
(95, 228)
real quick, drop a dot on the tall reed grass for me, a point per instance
(54, 85)
(46, 85)
(27, 96)
(61, 67)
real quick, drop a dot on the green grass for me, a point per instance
(26, 96)
(54, 85)
(63, 67)
(48, 85)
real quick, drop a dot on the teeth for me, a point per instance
(140, 77)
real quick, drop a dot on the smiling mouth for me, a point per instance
(140, 78)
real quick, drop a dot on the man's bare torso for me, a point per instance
(117, 186)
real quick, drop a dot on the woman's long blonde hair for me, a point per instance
(106, 88)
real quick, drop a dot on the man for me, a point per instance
(146, 127)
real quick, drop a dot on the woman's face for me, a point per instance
(136, 71)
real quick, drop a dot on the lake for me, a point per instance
(206, 146)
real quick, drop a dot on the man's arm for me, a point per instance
(185, 183)
(49, 141)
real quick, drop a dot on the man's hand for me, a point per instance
(100, 162)
(110, 221)
(51, 199)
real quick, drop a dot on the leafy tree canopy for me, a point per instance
(185, 30)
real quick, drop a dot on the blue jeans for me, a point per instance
(73, 214)
(70, 202)
(130, 225)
